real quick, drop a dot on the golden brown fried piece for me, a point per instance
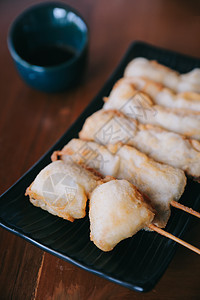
(161, 183)
(91, 155)
(164, 96)
(117, 211)
(138, 105)
(110, 127)
(143, 67)
(62, 188)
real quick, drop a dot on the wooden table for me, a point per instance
(30, 122)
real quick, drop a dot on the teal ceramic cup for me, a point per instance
(48, 43)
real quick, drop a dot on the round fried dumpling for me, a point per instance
(117, 211)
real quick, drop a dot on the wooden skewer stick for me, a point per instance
(185, 208)
(174, 238)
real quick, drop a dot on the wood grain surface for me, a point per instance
(31, 122)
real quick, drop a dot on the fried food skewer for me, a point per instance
(124, 162)
(117, 211)
(108, 163)
(109, 127)
(117, 208)
(62, 188)
(174, 238)
(120, 214)
(141, 66)
(164, 96)
(138, 105)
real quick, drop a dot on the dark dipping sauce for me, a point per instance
(48, 56)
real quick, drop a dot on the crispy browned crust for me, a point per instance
(28, 190)
(143, 93)
(93, 171)
(150, 82)
(67, 216)
(108, 178)
(135, 91)
(147, 81)
(105, 99)
(118, 113)
(118, 82)
(33, 196)
(56, 155)
(192, 95)
(114, 111)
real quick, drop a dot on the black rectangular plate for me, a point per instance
(136, 263)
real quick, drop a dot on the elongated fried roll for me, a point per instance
(117, 211)
(143, 67)
(62, 188)
(91, 155)
(138, 105)
(160, 182)
(110, 127)
(165, 96)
